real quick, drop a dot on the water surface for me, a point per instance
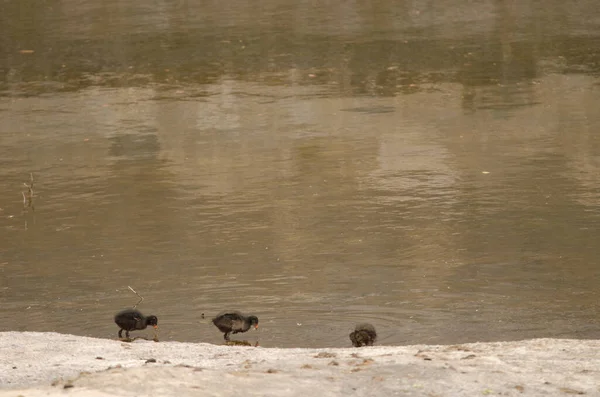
(432, 169)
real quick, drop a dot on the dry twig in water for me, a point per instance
(139, 296)
(28, 195)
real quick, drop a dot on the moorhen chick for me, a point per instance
(363, 334)
(234, 322)
(131, 319)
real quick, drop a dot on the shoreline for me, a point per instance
(49, 364)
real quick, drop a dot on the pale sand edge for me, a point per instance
(42, 364)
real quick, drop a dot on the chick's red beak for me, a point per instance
(255, 326)
(155, 326)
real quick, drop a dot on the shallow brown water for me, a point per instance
(431, 169)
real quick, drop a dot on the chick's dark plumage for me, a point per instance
(131, 319)
(234, 322)
(363, 334)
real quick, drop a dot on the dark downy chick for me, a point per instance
(234, 322)
(363, 334)
(131, 319)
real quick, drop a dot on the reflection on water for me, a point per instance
(428, 169)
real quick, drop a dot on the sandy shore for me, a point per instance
(49, 364)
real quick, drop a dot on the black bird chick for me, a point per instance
(131, 319)
(364, 334)
(234, 322)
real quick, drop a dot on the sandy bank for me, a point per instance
(50, 364)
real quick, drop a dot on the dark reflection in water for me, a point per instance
(429, 168)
